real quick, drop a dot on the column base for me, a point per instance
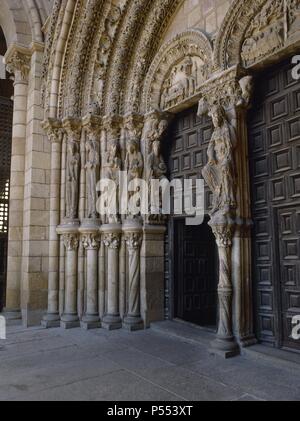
(12, 314)
(51, 321)
(225, 347)
(69, 321)
(112, 322)
(133, 324)
(247, 341)
(90, 322)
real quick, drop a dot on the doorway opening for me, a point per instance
(191, 253)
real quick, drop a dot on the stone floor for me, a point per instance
(169, 362)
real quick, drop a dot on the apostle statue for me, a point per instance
(112, 167)
(72, 181)
(219, 173)
(92, 165)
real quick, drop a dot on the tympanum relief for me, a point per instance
(265, 33)
(183, 81)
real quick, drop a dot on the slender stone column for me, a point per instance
(112, 234)
(70, 235)
(133, 238)
(91, 239)
(225, 342)
(52, 318)
(18, 63)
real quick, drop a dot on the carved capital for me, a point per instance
(71, 241)
(54, 130)
(18, 62)
(90, 241)
(223, 234)
(112, 240)
(73, 128)
(133, 240)
(229, 90)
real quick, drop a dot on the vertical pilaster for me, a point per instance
(152, 274)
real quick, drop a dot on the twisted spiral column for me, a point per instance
(133, 238)
(225, 341)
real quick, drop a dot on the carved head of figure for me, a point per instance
(132, 146)
(246, 84)
(162, 127)
(218, 116)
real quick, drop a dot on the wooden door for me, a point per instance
(274, 142)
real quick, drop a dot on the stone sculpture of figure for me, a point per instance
(190, 82)
(72, 184)
(156, 164)
(134, 164)
(134, 160)
(112, 167)
(92, 165)
(219, 173)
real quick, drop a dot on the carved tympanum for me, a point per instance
(183, 81)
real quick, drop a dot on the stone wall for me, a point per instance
(207, 15)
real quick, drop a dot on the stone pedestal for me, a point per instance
(133, 237)
(90, 238)
(111, 237)
(70, 234)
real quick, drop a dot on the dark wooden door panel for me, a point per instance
(195, 274)
(274, 142)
